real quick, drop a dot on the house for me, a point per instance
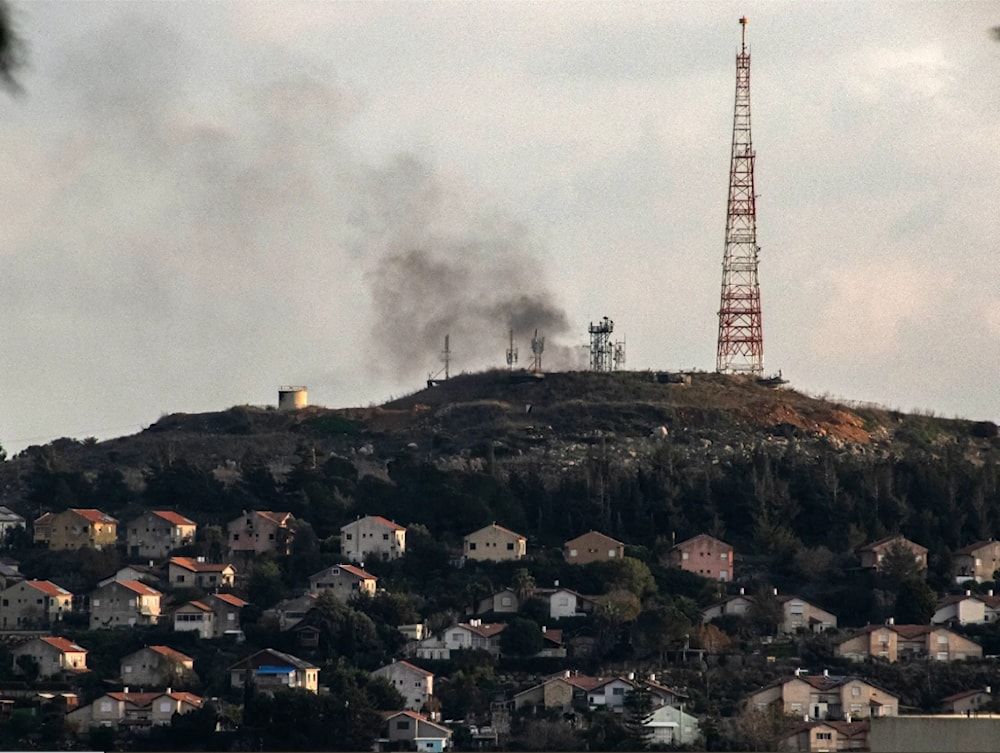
(592, 546)
(552, 644)
(470, 635)
(274, 670)
(52, 655)
(960, 609)
(372, 537)
(134, 711)
(124, 604)
(494, 543)
(873, 554)
(561, 602)
(967, 701)
(826, 736)
(9, 520)
(343, 581)
(10, 572)
(77, 528)
(195, 616)
(977, 561)
(259, 531)
(416, 685)
(797, 613)
(893, 642)
(287, 613)
(706, 556)
(820, 696)
(673, 726)
(142, 573)
(607, 693)
(155, 534)
(556, 693)
(154, 666)
(194, 572)
(34, 604)
(408, 730)
(226, 609)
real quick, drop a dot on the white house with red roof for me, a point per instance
(34, 604)
(260, 531)
(496, 543)
(413, 730)
(124, 603)
(52, 655)
(372, 537)
(470, 635)
(194, 572)
(153, 666)
(414, 683)
(135, 711)
(156, 533)
(343, 581)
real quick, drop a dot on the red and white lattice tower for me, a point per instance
(741, 337)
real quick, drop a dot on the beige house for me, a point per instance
(960, 609)
(977, 561)
(226, 609)
(893, 642)
(416, 685)
(343, 581)
(154, 666)
(195, 616)
(124, 604)
(372, 537)
(259, 531)
(415, 731)
(826, 736)
(155, 534)
(873, 554)
(797, 613)
(274, 670)
(967, 701)
(494, 543)
(34, 604)
(592, 547)
(52, 655)
(135, 711)
(191, 572)
(820, 696)
(77, 528)
(706, 556)
(556, 693)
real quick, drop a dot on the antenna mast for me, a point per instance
(511, 353)
(537, 348)
(601, 350)
(741, 339)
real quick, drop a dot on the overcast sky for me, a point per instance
(204, 201)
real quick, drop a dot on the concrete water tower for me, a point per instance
(292, 398)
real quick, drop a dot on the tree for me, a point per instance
(524, 584)
(522, 637)
(11, 52)
(638, 712)
(915, 603)
(900, 564)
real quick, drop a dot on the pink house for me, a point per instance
(704, 555)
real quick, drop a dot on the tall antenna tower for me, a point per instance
(601, 349)
(741, 337)
(537, 348)
(511, 353)
(433, 379)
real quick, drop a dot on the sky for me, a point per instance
(205, 201)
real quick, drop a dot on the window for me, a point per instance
(855, 691)
(164, 706)
(855, 708)
(472, 546)
(95, 602)
(403, 724)
(942, 639)
(824, 735)
(611, 554)
(349, 536)
(685, 555)
(796, 708)
(105, 706)
(236, 537)
(510, 546)
(618, 691)
(724, 556)
(385, 537)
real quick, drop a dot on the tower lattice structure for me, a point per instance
(741, 337)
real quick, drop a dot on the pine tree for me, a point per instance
(638, 712)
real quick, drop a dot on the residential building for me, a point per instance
(52, 655)
(706, 556)
(77, 528)
(592, 546)
(287, 613)
(494, 543)
(470, 635)
(372, 537)
(157, 533)
(827, 736)
(556, 693)
(259, 531)
(34, 604)
(960, 609)
(142, 573)
(408, 730)
(194, 572)
(561, 602)
(893, 642)
(10, 572)
(415, 684)
(124, 604)
(968, 702)
(133, 711)
(673, 726)
(9, 520)
(797, 613)
(977, 561)
(274, 670)
(873, 554)
(821, 696)
(195, 616)
(343, 581)
(154, 666)
(226, 609)
(42, 529)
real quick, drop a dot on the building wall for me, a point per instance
(69, 530)
(151, 536)
(370, 538)
(22, 605)
(415, 687)
(592, 547)
(115, 605)
(902, 734)
(705, 556)
(494, 544)
(341, 584)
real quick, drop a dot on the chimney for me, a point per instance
(968, 592)
(989, 690)
(847, 718)
(169, 691)
(774, 591)
(891, 621)
(798, 671)
(826, 673)
(125, 690)
(989, 592)
(742, 591)
(557, 583)
(631, 675)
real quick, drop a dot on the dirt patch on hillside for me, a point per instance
(830, 422)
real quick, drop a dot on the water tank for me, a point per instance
(292, 398)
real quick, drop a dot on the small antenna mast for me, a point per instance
(537, 347)
(511, 353)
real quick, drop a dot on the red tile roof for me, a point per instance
(140, 588)
(358, 572)
(189, 563)
(236, 601)
(48, 587)
(281, 518)
(94, 516)
(388, 523)
(62, 644)
(486, 631)
(171, 653)
(198, 605)
(173, 518)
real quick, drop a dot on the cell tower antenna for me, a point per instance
(432, 379)
(601, 349)
(537, 348)
(741, 336)
(511, 353)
